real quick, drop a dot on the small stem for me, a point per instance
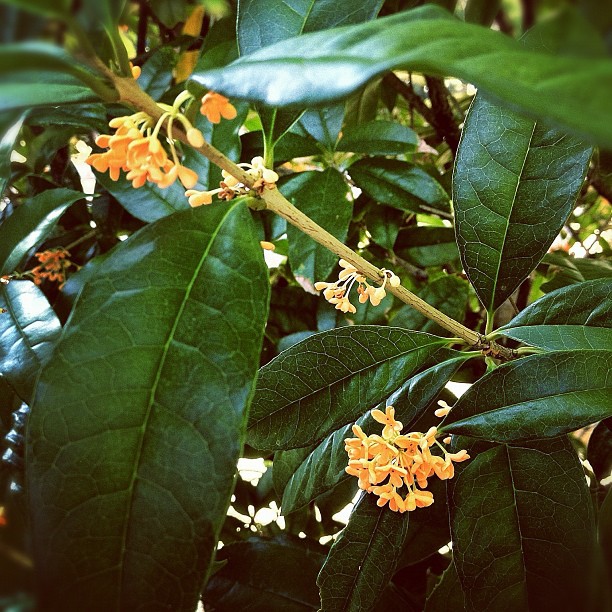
(489, 325)
(83, 238)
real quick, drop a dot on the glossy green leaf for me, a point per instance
(363, 558)
(28, 332)
(131, 432)
(379, 138)
(515, 184)
(329, 380)
(574, 317)
(429, 40)
(448, 294)
(55, 8)
(31, 223)
(426, 246)
(523, 528)
(325, 198)
(568, 270)
(266, 576)
(156, 76)
(539, 396)
(147, 203)
(10, 125)
(322, 469)
(323, 124)
(399, 184)
(40, 74)
(383, 223)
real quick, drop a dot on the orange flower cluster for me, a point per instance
(137, 150)
(54, 264)
(384, 464)
(337, 293)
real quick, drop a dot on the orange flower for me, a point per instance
(214, 106)
(54, 264)
(387, 464)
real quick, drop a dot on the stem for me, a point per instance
(489, 325)
(132, 94)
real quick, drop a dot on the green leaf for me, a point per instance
(156, 76)
(10, 126)
(363, 558)
(379, 138)
(147, 203)
(40, 74)
(426, 246)
(325, 198)
(599, 450)
(323, 124)
(574, 317)
(318, 471)
(539, 396)
(148, 420)
(447, 595)
(28, 332)
(447, 293)
(399, 184)
(428, 40)
(54, 8)
(330, 379)
(266, 576)
(31, 223)
(383, 223)
(515, 184)
(570, 270)
(523, 528)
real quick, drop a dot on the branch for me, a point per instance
(131, 93)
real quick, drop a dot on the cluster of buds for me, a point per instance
(338, 292)
(230, 187)
(396, 466)
(54, 263)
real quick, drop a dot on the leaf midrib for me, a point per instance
(151, 401)
(343, 378)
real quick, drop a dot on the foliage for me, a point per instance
(197, 359)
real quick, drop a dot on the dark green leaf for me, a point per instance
(574, 317)
(83, 117)
(325, 198)
(363, 558)
(428, 40)
(156, 76)
(150, 417)
(523, 528)
(447, 293)
(323, 124)
(599, 450)
(330, 379)
(399, 184)
(31, 223)
(28, 332)
(169, 12)
(379, 138)
(447, 595)
(539, 396)
(570, 270)
(384, 223)
(10, 126)
(147, 203)
(482, 11)
(515, 184)
(266, 576)
(55, 8)
(426, 246)
(315, 471)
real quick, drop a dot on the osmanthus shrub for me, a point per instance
(282, 237)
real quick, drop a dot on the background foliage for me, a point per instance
(174, 352)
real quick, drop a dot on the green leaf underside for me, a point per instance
(363, 558)
(266, 576)
(329, 380)
(399, 184)
(574, 317)
(515, 183)
(147, 420)
(147, 203)
(324, 197)
(536, 397)
(379, 138)
(31, 223)
(564, 89)
(323, 468)
(523, 528)
(28, 331)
